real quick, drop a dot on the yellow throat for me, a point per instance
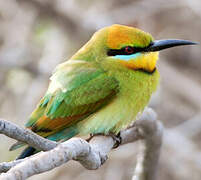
(141, 61)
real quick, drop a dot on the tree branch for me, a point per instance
(92, 155)
(25, 135)
(148, 156)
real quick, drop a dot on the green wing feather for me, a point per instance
(77, 89)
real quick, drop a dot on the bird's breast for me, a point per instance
(135, 89)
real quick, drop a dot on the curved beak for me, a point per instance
(167, 43)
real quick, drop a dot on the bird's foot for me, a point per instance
(91, 135)
(116, 138)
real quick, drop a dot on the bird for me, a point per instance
(101, 88)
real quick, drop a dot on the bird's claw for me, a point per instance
(117, 139)
(91, 135)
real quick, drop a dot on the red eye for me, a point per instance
(129, 50)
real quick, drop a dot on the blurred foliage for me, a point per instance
(36, 35)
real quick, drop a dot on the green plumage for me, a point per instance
(77, 86)
(134, 92)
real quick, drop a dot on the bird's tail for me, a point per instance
(63, 135)
(27, 152)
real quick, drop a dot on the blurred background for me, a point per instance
(36, 35)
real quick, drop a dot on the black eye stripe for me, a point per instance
(113, 52)
(122, 51)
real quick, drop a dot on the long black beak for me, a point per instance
(167, 43)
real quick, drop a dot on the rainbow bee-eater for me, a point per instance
(102, 87)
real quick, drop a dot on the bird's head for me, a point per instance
(129, 46)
